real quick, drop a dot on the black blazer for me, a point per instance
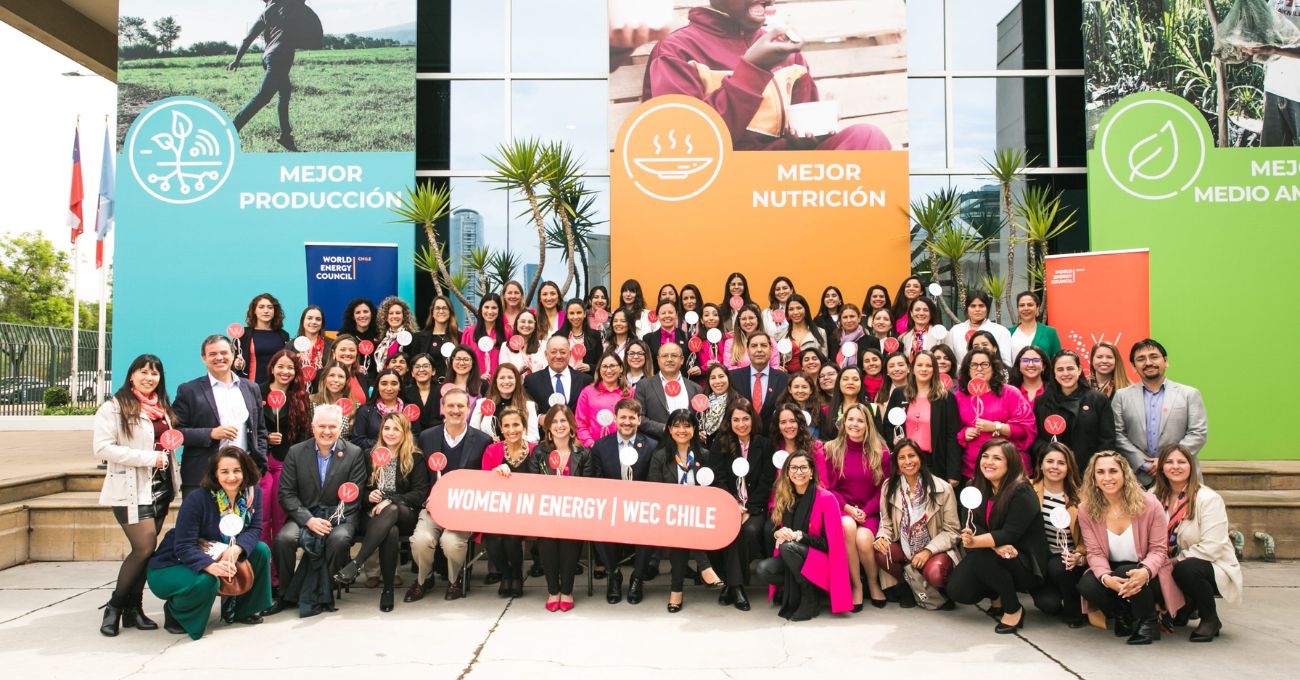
(777, 380)
(426, 342)
(539, 461)
(946, 459)
(196, 415)
(1089, 423)
(1022, 527)
(301, 488)
(652, 339)
(604, 457)
(654, 403)
(762, 474)
(430, 409)
(471, 452)
(594, 344)
(410, 490)
(663, 465)
(365, 426)
(540, 387)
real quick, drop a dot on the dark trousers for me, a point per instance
(1281, 121)
(384, 533)
(1195, 577)
(1060, 594)
(1140, 606)
(786, 569)
(984, 574)
(338, 549)
(559, 561)
(748, 546)
(610, 554)
(275, 81)
(507, 553)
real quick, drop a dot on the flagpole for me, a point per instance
(103, 287)
(73, 390)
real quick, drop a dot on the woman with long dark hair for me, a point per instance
(423, 390)
(549, 314)
(285, 426)
(828, 317)
(1086, 413)
(801, 391)
(531, 355)
(739, 440)
(560, 455)
(141, 480)
(1030, 374)
(510, 455)
(918, 540)
(708, 344)
(717, 387)
(264, 335)
(737, 286)
(777, 296)
(1029, 331)
(597, 302)
(1006, 552)
(311, 325)
(999, 412)
(790, 433)
(691, 300)
(923, 329)
(439, 329)
(575, 330)
(1058, 487)
(331, 386)
(386, 399)
(618, 332)
(877, 297)
(910, 289)
(803, 333)
(932, 419)
(490, 325)
(463, 371)
(505, 390)
(359, 320)
(632, 297)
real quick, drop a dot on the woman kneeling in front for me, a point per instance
(196, 558)
(810, 549)
(1125, 532)
(918, 531)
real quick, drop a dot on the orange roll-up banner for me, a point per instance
(688, 209)
(1093, 297)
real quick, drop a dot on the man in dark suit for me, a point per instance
(653, 391)
(217, 410)
(606, 462)
(463, 446)
(758, 381)
(558, 378)
(309, 487)
(667, 331)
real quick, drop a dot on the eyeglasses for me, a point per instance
(981, 365)
(800, 468)
(1030, 361)
(636, 354)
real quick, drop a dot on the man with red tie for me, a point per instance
(760, 382)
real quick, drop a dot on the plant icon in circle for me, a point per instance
(1153, 145)
(181, 150)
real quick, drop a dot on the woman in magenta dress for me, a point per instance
(285, 426)
(999, 410)
(857, 465)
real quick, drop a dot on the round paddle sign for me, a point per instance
(1054, 425)
(437, 461)
(381, 456)
(348, 492)
(366, 348)
(171, 440)
(276, 399)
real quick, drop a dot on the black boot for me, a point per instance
(809, 607)
(347, 575)
(505, 588)
(614, 588)
(112, 615)
(517, 584)
(170, 624)
(791, 598)
(635, 590)
(1207, 630)
(739, 599)
(1148, 631)
(386, 599)
(133, 615)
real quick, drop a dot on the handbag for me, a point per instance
(238, 584)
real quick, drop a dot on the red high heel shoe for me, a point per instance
(553, 605)
(566, 606)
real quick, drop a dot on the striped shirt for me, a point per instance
(1052, 501)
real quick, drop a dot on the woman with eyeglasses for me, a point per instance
(1028, 373)
(999, 411)
(439, 329)
(1086, 413)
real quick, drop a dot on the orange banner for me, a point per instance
(1093, 297)
(586, 509)
(689, 209)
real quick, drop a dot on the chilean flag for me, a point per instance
(104, 214)
(74, 202)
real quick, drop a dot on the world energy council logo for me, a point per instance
(182, 150)
(1153, 146)
(672, 151)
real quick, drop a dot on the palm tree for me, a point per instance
(1008, 167)
(996, 287)
(933, 214)
(521, 166)
(582, 206)
(501, 267)
(425, 205)
(1043, 221)
(954, 242)
(564, 190)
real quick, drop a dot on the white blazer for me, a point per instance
(129, 480)
(1206, 537)
(488, 424)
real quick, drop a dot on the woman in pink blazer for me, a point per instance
(1126, 534)
(603, 395)
(810, 547)
(1000, 412)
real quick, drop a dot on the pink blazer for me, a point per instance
(827, 570)
(1010, 408)
(495, 453)
(591, 401)
(819, 461)
(1151, 538)
(487, 361)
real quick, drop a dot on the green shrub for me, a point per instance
(56, 396)
(68, 411)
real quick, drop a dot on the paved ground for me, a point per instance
(49, 620)
(32, 453)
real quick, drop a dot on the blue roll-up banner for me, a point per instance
(249, 129)
(338, 273)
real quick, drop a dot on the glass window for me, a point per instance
(925, 122)
(996, 34)
(478, 115)
(995, 113)
(538, 27)
(925, 35)
(433, 127)
(477, 38)
(570, 110)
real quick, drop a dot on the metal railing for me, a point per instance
(35, 358)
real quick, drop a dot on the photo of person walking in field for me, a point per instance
(285, 26)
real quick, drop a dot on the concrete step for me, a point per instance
(73, 526)
(1251, 475)
(1272, 512)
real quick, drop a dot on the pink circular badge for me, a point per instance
(1054, 425)
(308, 373)
(695, 343)
(437, 461)
(600, 316)
(889, 345)
(487, 407)
(554, 460)
(516, 342)
(276, 398)
(235, 331)
(381, 456)
(412, 413)
(945, 380)
(653, 317)
(348, 492)
(736, 302)
(970, 334)
(673, 389)
(366, 348)
(778, 316)
(578, 351)
(171, 440)
(345, 404)
(446, 387)
(700, 403)
(977, 387)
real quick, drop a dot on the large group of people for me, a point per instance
(891, 459)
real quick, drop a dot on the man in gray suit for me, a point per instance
(1156, 412)
(309, 484)
(653, 392)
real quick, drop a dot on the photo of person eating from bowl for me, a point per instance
(744, 60)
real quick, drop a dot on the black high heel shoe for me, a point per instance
(112, 620)
(170, 624)
(347, 575)
(1009, 628)
(674, 608)
(386, 600)
(1207, 630)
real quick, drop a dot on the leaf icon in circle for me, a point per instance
(1158, 151)
(181, 125)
